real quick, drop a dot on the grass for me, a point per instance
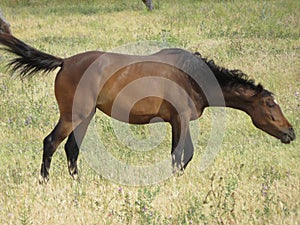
(253, 180)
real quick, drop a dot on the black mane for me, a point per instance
(233, 78)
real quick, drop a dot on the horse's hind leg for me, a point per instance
(73, 144)
(51, 142)
(72, 151)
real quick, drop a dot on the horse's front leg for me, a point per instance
(179, 132)
(188, 149)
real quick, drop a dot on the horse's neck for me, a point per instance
(238, 98)
(224, 97)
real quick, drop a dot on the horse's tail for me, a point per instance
(29, 60)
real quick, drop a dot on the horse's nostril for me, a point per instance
(292, 133)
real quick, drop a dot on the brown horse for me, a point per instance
(173, 85)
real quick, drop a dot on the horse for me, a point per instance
(172, 86)
(4, 25)
(148, 4)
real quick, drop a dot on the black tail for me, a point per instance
(29, 60)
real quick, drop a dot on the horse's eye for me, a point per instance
(271, 104)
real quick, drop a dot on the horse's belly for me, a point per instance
(135, 111)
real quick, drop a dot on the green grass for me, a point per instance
(253, 180)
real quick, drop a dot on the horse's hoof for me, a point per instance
(178, 172)
(75, 177)
(43, 180)
(73, 171)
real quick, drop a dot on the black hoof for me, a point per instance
(43, 179)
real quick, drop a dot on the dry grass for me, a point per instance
(253, 180)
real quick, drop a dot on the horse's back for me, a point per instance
(139, 88)
(126, 87)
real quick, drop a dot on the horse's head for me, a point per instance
(267, 116)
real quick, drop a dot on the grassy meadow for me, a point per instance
(254, 179)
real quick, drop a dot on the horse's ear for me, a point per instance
(211, 63)
(260, 88)
(260, 91)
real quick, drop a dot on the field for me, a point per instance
(254, 178)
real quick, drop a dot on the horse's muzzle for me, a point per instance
(288, 136)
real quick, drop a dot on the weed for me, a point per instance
(145, 210)
(24, 217)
